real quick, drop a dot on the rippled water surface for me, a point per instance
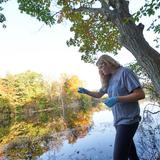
(93, 141)
(96, 145)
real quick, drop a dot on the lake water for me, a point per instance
(96, 145)
(94, 142)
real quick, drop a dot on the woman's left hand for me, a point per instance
(110, 102)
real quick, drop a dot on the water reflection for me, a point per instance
(96, 145)
(29, 138)
(41, 138)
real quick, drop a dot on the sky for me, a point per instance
(27, 44)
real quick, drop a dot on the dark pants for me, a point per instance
(124, 146)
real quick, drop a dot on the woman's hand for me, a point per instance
(101, 73)
(110, 102)
(82, 90)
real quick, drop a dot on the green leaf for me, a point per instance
(2, 18)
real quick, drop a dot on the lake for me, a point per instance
(90, 142)
(96, 145)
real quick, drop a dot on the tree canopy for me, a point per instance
(101, 26)
(93, 29)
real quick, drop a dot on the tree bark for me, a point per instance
(145, 55)
(132, 38)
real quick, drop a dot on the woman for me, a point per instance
(124, 90)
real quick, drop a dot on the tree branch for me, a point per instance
(87, 9)
(151, 112)
(121, 4)
(107, 12)
(94, 10)
(104, 4)
(112, 3)
(140, 27)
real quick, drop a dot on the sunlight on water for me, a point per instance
(90, 141)
(96, 145)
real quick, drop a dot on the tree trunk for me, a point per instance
(132, 38)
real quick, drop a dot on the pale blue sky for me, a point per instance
(27, 44)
